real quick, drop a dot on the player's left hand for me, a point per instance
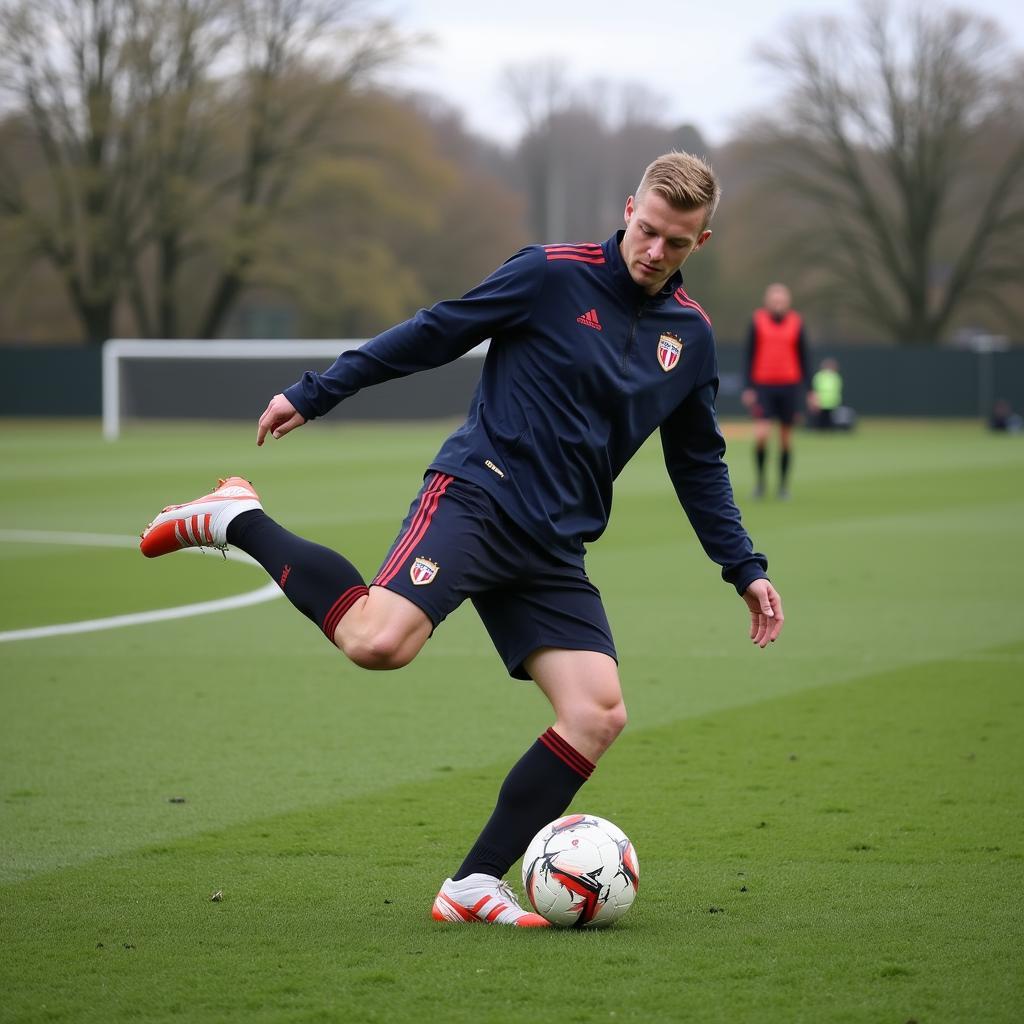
(766, 616)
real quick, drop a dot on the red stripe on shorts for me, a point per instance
(417, 528)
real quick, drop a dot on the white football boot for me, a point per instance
(482, 898)
(202, 522)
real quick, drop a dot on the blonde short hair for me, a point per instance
(684, 181)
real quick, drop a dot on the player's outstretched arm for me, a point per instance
(278, 419)
(766, 616)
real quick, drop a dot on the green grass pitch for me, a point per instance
(831, 830)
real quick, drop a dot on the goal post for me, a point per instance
(228, 379)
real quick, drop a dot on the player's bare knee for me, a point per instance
(602, 722)
(378, 651)
(615, 718)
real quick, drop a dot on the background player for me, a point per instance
(826, 394)
(593, 347)
(776, 378)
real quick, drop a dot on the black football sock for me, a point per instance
(784, 467)
(760, 453)
(537, 790)
(322, 584)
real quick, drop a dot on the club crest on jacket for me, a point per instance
(669, 349)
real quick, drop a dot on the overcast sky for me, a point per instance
(698, 55)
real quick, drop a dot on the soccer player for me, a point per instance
(776, 378)
(593, 347)
(826, 394)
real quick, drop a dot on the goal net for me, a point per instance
(217, 380)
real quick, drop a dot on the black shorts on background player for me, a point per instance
(779, 402)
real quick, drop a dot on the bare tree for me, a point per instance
(537, 91)
(880, 140)
(60, 61)
(155, 119)
(540, 94)
(171, 57)
(286, 110)
(584, 146)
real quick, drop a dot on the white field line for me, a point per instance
(265, 593)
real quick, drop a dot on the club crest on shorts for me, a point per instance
(422, 571)
(669, 350)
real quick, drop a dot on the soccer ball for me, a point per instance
(581, 872)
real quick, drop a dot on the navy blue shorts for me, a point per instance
(778, 402)
(457, 543)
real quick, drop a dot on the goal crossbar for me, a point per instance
(118, 349)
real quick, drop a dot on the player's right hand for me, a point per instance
(278, 419)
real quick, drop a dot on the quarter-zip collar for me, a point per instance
(630, 290)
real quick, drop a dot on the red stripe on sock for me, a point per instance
(570, 754)
(567, 753)
(340, 607)
(577, 766)
(565, 746)
(417, 528)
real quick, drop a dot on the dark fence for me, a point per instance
(883, 380)
(878, 381)
(41, 381)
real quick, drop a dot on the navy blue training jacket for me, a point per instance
(583, 366)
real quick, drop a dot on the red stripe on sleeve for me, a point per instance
(585, 247)
(575, 257)
(684, 300)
